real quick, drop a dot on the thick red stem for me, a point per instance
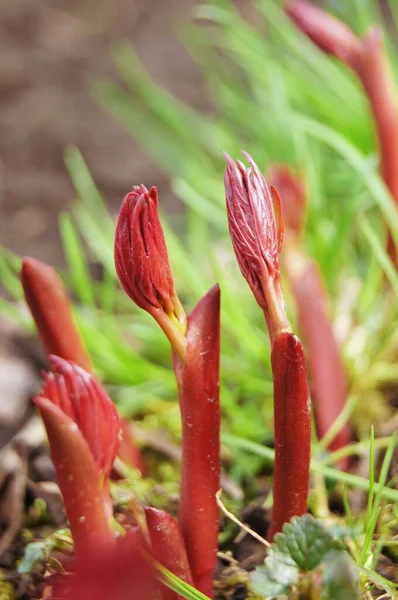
(292, 424)
(198, 380)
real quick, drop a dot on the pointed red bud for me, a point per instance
(328, 33)
(256, 228)
(48, 302)
(168, 547)
(83, 431)
(141, 259)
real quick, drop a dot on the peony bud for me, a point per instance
(256, 228)
(142, 263)
(141, 259)
(168, 548)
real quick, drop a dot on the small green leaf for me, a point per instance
(307, 541)
(303, 545)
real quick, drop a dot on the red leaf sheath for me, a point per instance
(86, 499)
(168, 548)
(327, 373)
(83, 431)
(48, 302)
(198, 379)
(292, 424)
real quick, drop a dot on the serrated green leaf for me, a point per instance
(307, 541)
(304, 544)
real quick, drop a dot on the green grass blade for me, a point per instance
(177, 585)
(380, 254)
(77, 262)
(316, 467)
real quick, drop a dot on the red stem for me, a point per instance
(292, 424)
(198, 381)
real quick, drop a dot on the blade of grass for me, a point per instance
(234, 442)
(340, 421)
(369, 506)
(177, 585)
(374, 506)
(75, 256)
(8, 276)
(380, 254)
(358, 161)
(86, 188)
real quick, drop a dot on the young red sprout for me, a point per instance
(329, 383)
(256, 228)
(48, 302)
(367, 58)
(168, 548)
(83, 432)
(143, 267)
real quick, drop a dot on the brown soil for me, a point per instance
(51, 52)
